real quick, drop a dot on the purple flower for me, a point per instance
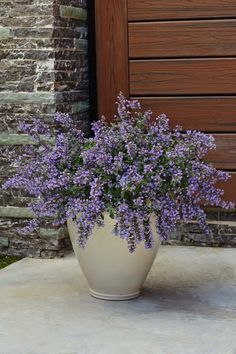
(131, 169)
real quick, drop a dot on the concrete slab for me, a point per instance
(188, 306)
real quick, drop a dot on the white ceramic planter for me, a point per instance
(111, 271)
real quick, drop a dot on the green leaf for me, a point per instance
(111, 214)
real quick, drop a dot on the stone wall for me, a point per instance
(44, 69)
(222, 231)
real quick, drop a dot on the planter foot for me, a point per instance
(110, 297)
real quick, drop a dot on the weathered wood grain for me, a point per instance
(183, 77)
(213, 114)
(112, 54)
(229, 188)
(205, 38)
(224, 156)
(141, 10)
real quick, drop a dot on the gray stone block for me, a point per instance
(30, 97)
(4, 242)
(5, 33)
(15, 212)
(60, 233)
(81, 45)
(15, 139)
(73, 12)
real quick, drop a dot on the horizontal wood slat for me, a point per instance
(229, 188)
(202, 113)
(224, 156)
(141, 10)
(182, 39)
(183, 77)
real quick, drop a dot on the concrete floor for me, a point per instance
(188, 306)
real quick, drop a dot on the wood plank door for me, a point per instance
(177, 57)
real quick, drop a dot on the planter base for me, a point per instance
(110, 297)
(112, 272)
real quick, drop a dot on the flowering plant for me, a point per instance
(131, 168)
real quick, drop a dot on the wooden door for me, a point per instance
(177, 57)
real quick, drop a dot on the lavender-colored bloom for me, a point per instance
(131, 168)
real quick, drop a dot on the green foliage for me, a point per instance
(7, 260)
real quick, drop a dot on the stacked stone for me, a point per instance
(44, 69)
(222, 227)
